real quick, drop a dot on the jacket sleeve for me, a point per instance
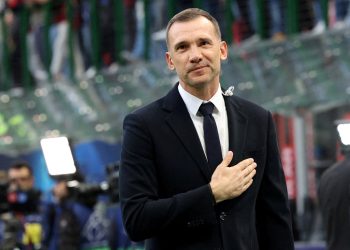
(274, 227)
(145, 213)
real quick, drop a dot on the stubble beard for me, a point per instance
(201, 84)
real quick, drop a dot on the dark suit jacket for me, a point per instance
(164, 176)
(334, 199)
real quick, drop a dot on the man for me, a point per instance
(22, 224)
(21, 184)
(20, 177)
(334, 200)
(173, 192)
(64, 219)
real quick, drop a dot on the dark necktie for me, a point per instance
(211, 136)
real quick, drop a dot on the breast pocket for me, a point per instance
(259, 155)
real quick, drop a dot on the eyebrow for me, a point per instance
(206, 40)
(177, 45)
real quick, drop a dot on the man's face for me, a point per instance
(195, 52)
(20, 179)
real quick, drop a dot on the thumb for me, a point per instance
(227, 160)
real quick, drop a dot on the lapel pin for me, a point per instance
(229, 91)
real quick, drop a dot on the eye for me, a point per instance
(181, 47)
(204, 42)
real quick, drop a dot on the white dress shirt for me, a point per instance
(220, 115)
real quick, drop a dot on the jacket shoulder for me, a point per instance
(148, 111)
(248, 107)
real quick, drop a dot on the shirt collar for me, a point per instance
(193, 103)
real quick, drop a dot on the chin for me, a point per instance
(199, 84)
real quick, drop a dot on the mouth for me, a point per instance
(197, 68)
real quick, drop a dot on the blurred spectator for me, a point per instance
(36, 19)
(134, 30)
(22, 224)
(342, 17)
(245, 25)
(320, 23)
(159, 17)
(277, 20)
(64, 219)
(139, 46)
(59, 34)
(306, 15)
(246, 13)
(80, 216)
(334, 200)
(84, 37)
(20, 177)
(342, 14)
(99, 51)
(245, 30)
(108, 35)
(12, 22)
(130, 18)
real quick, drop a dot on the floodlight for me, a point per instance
(343, 128)
(58, 156)
(344, 133)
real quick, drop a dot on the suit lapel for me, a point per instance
(181, 123)
(237, 127)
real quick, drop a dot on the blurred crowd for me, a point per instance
(67, 217)
(56, 39)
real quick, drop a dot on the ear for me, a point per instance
(169, 61)
(223, 50)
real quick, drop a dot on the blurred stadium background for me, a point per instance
(76, 68)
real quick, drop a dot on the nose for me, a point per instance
(195, 55)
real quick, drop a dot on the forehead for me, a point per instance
(19, 172)
(199, 27)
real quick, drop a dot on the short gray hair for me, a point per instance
(191, 14)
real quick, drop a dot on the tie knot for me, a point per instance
(206, 108)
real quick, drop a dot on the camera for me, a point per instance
(18, 201)
(14, 203)
(85, 192)
(61, 166)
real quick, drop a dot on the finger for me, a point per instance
(248, 170)
(248, 184)
(249, 177)
(251, 174)
(243, 164)
(227, 160)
